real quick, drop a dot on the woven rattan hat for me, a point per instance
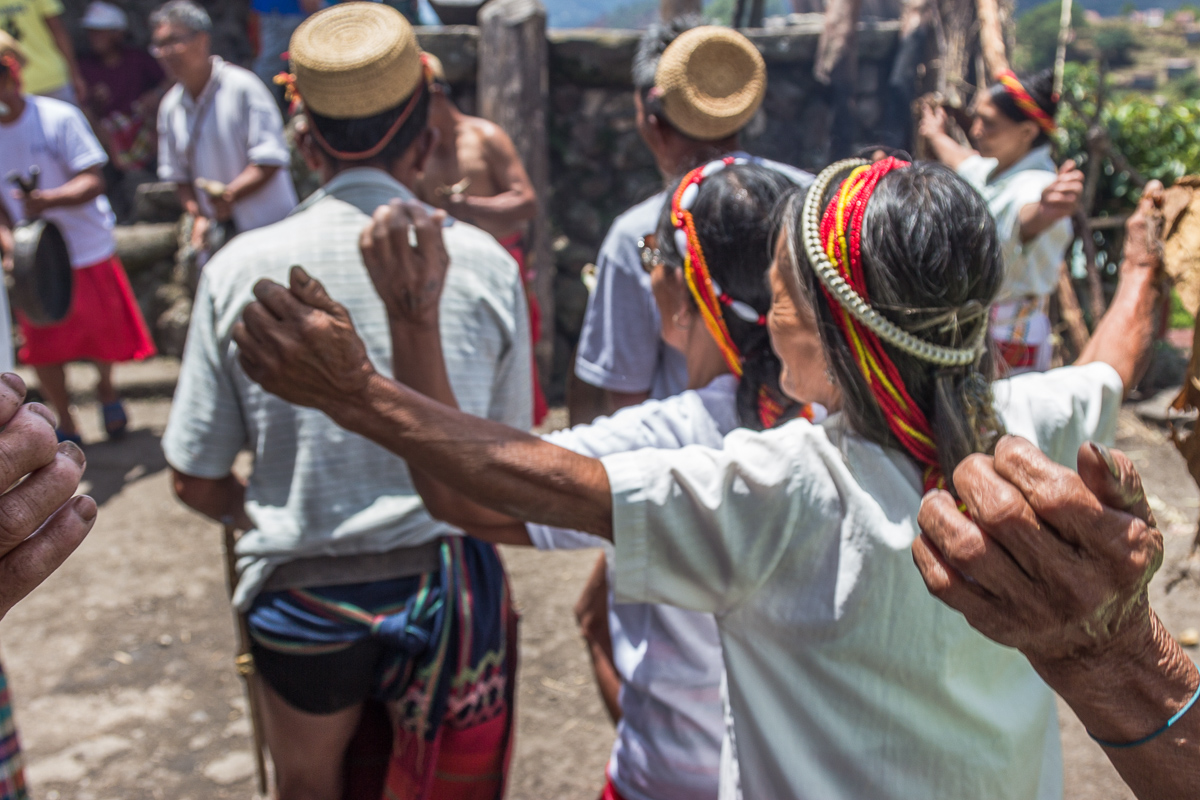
(711, 81)
(355, 60)
(11, 47)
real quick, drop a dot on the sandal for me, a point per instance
(115, 421)
(73, 438)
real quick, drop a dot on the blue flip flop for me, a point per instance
(115, 420)
(73, 438)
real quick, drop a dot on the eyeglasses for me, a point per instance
(648, 250)
(170, 44)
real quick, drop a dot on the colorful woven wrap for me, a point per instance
(1029, 107)
(841, 235)
(12, 774)
(447, 672)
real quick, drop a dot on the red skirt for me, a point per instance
(104, 323)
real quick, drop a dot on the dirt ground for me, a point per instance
(121, 664)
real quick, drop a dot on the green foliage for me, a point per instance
(1037, 34)
(1179, 316)
(722, 10)
(1159, 139)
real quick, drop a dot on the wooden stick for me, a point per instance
(1072, 313)
(244, 660)
(1064, 35)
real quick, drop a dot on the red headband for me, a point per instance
(13, 64)
(1025, 101)
(707, 293)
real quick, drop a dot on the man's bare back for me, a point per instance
(475, 174)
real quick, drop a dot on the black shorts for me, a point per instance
(325, 683)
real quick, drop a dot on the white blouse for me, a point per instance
(669, 739)
(847, 679)
(1031, 268)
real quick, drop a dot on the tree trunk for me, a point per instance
(513, 91)
(670, 9)
(991, 38)
(839, 39)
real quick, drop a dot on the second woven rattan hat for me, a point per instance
(355, 60)
(711, 81)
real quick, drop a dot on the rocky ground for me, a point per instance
(121, 664)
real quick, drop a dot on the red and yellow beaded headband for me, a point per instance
(833, 247)
(1025, 102)
(292, 95)
(707, 292)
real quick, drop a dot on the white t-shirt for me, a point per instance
(668, 744)
(1031, 268)
(847, 679)
(56, 137)
(236, 123)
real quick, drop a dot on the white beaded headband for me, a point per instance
(852, 301)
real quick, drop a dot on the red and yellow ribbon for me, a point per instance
(841, 235)
(1008, 79)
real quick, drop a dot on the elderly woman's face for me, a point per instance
(794, 337)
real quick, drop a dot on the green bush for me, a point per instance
(1114, 43)
(1037, 35)
(1159, 140)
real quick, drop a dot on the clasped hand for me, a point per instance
(1052, 562)
(301, 345)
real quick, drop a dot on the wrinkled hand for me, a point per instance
(1060, 198)
(933, 121)
(409, 279)
(40, 523)
(1143, 231)
(1051, 562)
(301, 345)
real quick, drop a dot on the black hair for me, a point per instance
(1040, 87)
(932, 263)
(736, 222)
(362, 133)
(651, 46)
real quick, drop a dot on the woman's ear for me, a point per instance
(1030, 131)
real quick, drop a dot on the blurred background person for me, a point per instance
(275, 22)
(104, 323)
(220, 133)
(124, 87)
(50, 69)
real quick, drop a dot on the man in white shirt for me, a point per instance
(220, 132)
(622, 356)
(332, 521)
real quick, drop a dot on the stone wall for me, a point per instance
(599, 165)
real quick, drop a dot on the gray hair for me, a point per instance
(183, 13)
(654, 42)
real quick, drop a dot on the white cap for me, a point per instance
(101, 16)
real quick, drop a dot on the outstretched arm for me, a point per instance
(1123, 335)
(301, 345)
(410, 281)
(1057, 564)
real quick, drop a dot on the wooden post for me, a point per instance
(514, 91)
(670, 9)
(839, 41)
(1064, 37)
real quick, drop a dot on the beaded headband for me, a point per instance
(292, 94)
(852, 301)
(707, 292)
(1029, 107)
